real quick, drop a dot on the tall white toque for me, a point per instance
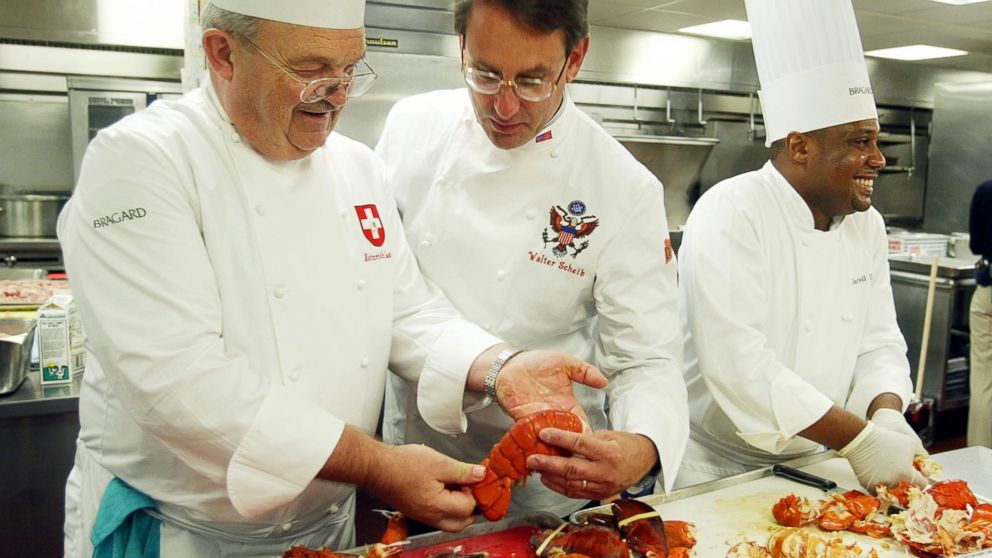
(811, 65)
(328, 14)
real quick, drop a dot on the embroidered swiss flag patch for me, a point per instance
(368, 218)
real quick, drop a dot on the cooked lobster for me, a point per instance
(506, 465)
(393, 538)
(591, 540)
(642, 528)
(390, 544)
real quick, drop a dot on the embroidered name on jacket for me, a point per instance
(120, 217)
(568, 229)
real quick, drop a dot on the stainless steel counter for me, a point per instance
(954, 268)
(33, 399)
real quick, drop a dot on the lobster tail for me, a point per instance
(506, 465)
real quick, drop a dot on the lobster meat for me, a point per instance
(506, 465)
(797, 543)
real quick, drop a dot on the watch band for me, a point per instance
(489, 384)
(645, 486)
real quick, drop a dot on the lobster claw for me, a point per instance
(642, 528)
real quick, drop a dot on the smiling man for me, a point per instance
(241, 320)
(791, 336)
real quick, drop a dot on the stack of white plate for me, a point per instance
(923, 244)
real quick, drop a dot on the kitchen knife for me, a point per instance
(826, 485)
(809, 479)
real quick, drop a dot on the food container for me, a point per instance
(30, 215)
(16, 338)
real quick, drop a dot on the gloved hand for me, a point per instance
(879, 455)
(891, 419)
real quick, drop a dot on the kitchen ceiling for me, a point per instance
(883, 23)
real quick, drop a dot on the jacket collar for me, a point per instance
(798, 213)
(548, 138)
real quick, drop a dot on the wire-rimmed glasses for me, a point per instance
(319, 89)
(529, 89)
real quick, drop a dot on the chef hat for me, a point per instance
(811, 65)
(329, 14)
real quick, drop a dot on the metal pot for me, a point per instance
(30, 215)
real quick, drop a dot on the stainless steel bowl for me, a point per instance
(30, 215)
(16, 339)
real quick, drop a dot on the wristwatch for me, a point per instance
(645, 486)
(489, 383)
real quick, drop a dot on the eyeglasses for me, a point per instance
(529, 89)
(319, 89)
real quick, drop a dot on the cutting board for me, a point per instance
(730, 515)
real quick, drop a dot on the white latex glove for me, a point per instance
(891, 419)
(881, 456)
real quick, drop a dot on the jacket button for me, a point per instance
(847, 317)
(361, 284)
(295, 374)
(344, 213)
(554, 153)
(425, 244)
(287, 526)
(333, 509)
(279, 291)
(365, 362)
(500, 275)
(531, 214)
(260, 209)
(808, 326)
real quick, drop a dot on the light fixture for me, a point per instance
(916, 52)
(960, 2)
(726, 29)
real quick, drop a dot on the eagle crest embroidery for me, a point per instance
(568, 228)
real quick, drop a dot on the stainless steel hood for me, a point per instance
(677, 162)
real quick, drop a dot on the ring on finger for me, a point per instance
(584, 483)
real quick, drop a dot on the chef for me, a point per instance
(544, 230)
(791, 335)
(244, 283)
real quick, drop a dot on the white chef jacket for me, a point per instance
(479, 219)
(782, 320)
(239, 313)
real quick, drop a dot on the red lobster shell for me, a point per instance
(590, 540)
(506, 465)
(641, 527)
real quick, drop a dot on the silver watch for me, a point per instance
(489, 384)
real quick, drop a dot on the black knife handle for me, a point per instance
(802, 477)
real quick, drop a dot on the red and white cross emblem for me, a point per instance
(368, 218)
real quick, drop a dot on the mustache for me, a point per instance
(322, 106)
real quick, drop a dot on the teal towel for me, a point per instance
(121, 529)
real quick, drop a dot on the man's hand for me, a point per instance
(426, 485)
(607, 461)
(534, 381)
(881, 456)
